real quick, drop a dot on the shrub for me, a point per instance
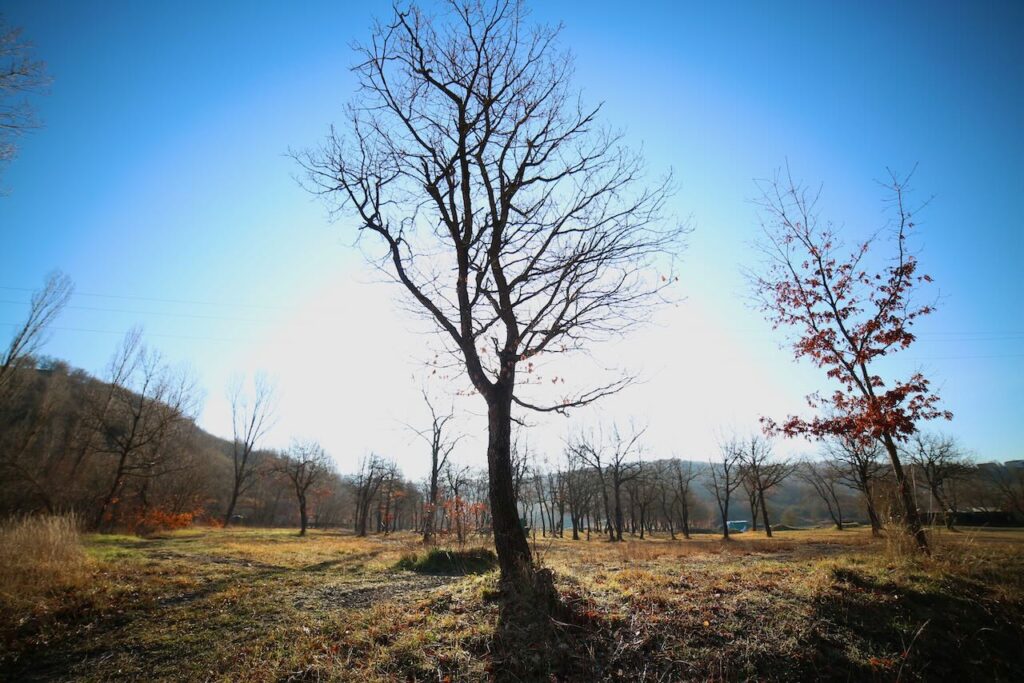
(39, 557)
(438, 561)
(155, 520)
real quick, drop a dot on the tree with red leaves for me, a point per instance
(846, 316)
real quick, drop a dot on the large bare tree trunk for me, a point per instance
(618, 509)
(684, 522)
(869, 499)
(514, 557)
(948, 514)
(607, 512)
(911, 518)
(231, 505)
(430, 509)
(752, 500)
(764, 515)
(106, 507)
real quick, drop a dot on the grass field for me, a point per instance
(266, 605)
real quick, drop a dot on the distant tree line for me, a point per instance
(125, 453)
(602, 486)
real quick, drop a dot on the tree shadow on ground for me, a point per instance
(92, 633)
(542, 634)
(550, 634)
(856, 629)
(953, 630)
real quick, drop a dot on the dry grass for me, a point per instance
(266, 605)
(40, 558)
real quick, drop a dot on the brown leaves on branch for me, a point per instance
(844, 314)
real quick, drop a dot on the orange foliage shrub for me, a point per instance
(155, 519)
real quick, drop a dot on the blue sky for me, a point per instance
(161, 184)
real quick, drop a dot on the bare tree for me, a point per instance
(549, 488)
(942, 463)
(624, 466)
(588, 450)
(45, 306)
(859, 466)
(760, 474)
(541, 500)
(305, 465)
(148, 402)
(723, 478)
(100, 399)
(457, 478)
(20, 75)
(578, 490)
(368, 480)
(642, 493)
(251, 417)
(668, 497)
(616, 461)
(390, 493)
(1008, 483)
(441, 446)
(749, 484)
(824, 478)
(558, 496)
(514, 223)
(521, 455)
(38, 425)
(684, 474)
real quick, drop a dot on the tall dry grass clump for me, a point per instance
(40, 556)
(901, 546)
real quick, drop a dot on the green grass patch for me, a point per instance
(439, 561)
(109, 547)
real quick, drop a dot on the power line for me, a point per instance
(235, 341)
(971, 335)
(996, 355)
(148, 334)
(164, 313)
(933, 336)
(968, 336)
(163, 300)
(964, 340)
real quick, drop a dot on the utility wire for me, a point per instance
(933, 336)
(148, 334)
(165, 301)
(164, 313)
(216, 339)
